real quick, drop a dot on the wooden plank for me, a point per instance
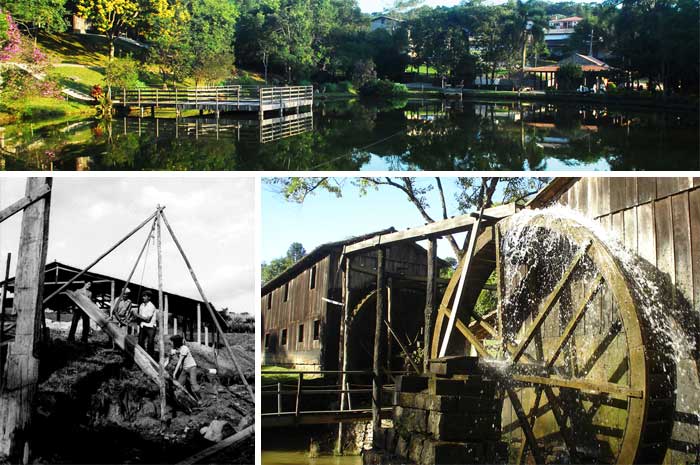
(437, 229)
(664, 237)
(594, 387)
(631, 194)
(430, 299)
(646, 235)
(618, 226)
(666, 186)
(618, 191)
(219, 446)
(603, 195)
(593, 197)
(39, 193)
(378, 355)
(681, 245)
(630, 224)
(144, 361)
(694, 203)
(646, 189)
(22, 375)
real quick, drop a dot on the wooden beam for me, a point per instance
(3, 296)
(219, 446)
(430, 300)
(96, 261)
(212, 313)
(344, 343)
(22, 376)
(462, 278)
(199, 324)
(30, 197)
(144, 361)
(378, 355)
(161, 322)
(437, 229)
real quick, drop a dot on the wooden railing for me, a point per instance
(273, 95)
(281, 390)
(178, 96)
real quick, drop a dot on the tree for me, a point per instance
(569, 76)
(363, 72)
(167, 29)
(31, 15)
(295, 252)
(122, 73)
(473, 193)
(110, 17)
(211, 34)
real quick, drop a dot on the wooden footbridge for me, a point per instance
(217, 99)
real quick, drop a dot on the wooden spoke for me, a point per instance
(533, 419)
(592, 387)
(525, 425)
(549, 302)
(462, 328)
(569, 330)
(499, 283)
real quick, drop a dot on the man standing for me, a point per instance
(186, 367)
(78, 314)
(122, 309)
(147, 318)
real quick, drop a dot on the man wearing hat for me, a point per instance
(147, 318)
(122, 309)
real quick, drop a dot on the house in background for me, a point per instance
(595, 72)
(559, 32)
(385, 22)
(302, 307)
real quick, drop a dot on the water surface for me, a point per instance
(352, 136)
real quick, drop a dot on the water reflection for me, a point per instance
(347, 135)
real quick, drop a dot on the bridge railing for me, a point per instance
(274, 95)
(176, 96)
(282, 391)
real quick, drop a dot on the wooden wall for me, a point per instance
(304, 306)
(659, 219)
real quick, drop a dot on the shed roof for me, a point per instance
(387, 17)
(57, 273)
(551, 191)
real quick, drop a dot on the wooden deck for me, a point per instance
(226, 99)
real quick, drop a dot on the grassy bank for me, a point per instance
(42, 108)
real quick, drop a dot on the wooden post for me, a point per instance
(199, 324)
(430, 300)
(378, 346)
(344, 338)
(166, 316)
(389, 341)
(206, 335)
(279, 398)
(16, 402)
(161, 323)
(298, 402)
(174, 324)
(2, 315)
(212, 313)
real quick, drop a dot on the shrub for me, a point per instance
(383, 88)
(122, 73)
(330, 87)
(346, 86)
(569, 76)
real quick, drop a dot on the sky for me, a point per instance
(324, 218)
(213, 219)
(375, 6)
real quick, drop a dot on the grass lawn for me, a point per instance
(78, 78)
(38, 108)
(421, 70)
(283, 375)
(83, 49)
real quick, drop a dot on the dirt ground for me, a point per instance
(95, 406)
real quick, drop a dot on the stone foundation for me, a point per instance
(450, 416)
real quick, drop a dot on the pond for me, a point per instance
(351, 136)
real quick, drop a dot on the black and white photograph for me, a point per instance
(127, 320)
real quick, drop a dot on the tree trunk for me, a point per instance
(111, 48)
(16, 403)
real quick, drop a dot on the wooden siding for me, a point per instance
(659, 219)
(305, 305)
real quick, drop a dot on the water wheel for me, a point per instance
(581, 377)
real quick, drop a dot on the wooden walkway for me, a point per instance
(217, 99)
(320, 417)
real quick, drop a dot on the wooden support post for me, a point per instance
(174, 324)
(430, 300)
(300, 381)
(212, 313)
(389, 340)
(199, 324)
(378, 345)
(3, 296)
(84, 270)
(166, 316)
(344, 339)
(161, 323)
(279, 398)
(16, 402)
(206, 335)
